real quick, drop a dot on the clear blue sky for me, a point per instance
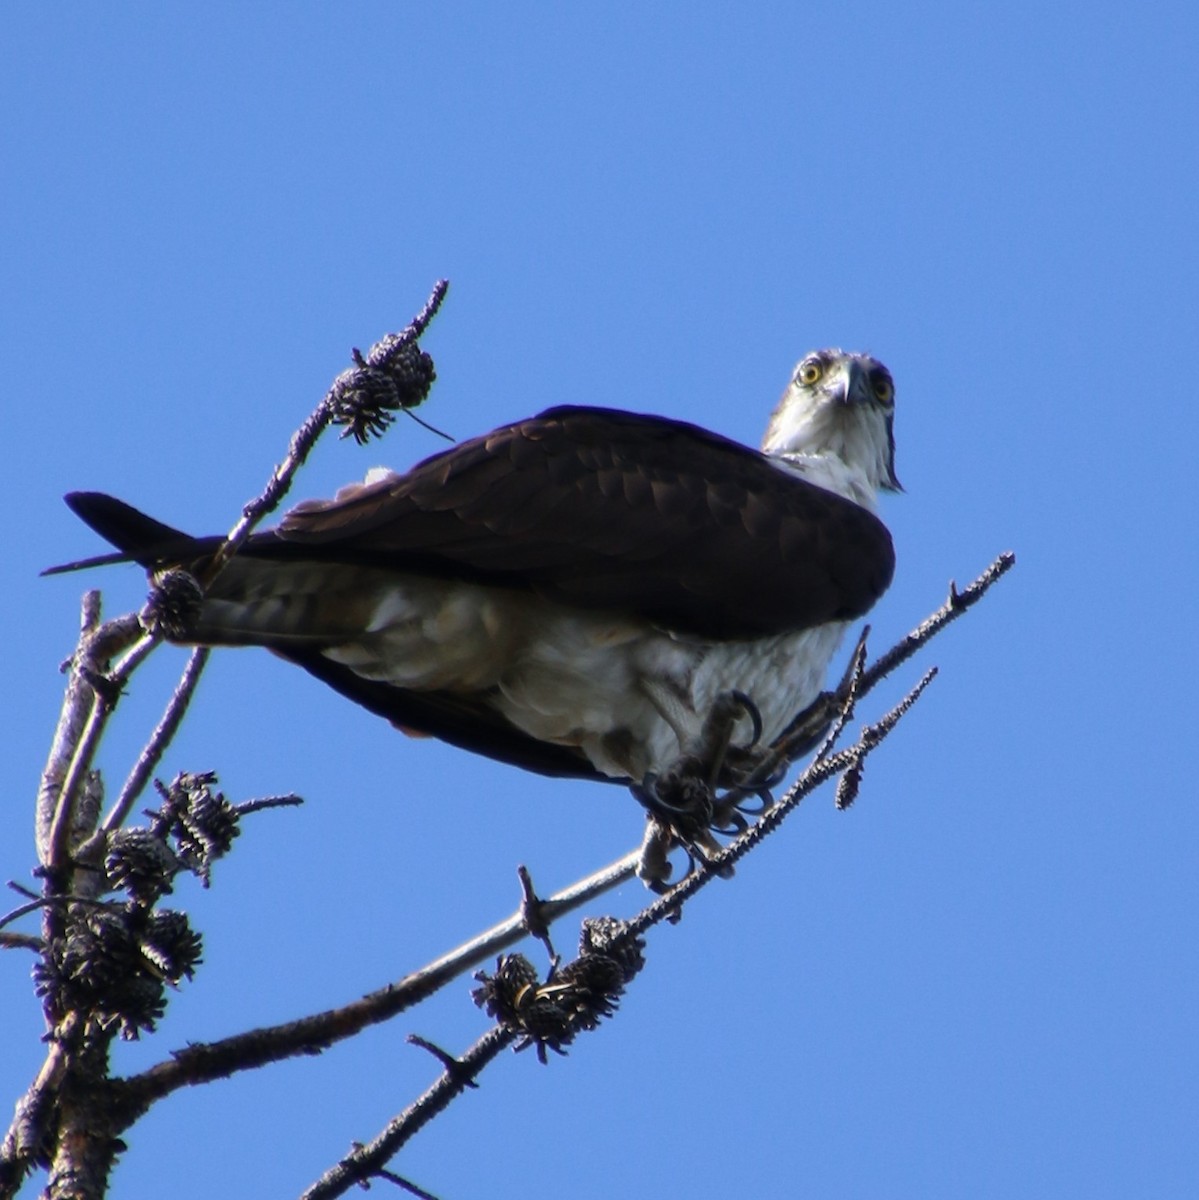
(981, 981)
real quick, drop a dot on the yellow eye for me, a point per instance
(809, 372)
(884, 389)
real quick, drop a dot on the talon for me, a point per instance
(681, 801)
(749, 709)
(678, 798)
(713, 747)
(765, 802)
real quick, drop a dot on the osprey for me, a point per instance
(573, 593)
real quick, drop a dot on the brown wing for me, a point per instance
(617, 511)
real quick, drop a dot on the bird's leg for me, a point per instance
(688, 785)
(681, 800)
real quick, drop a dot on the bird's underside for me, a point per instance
(571, 594)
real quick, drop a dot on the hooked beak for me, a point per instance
(853, 387)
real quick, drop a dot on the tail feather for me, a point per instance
(137, 537)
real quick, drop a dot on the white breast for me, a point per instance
(627, 694)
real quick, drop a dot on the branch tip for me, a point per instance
(453, 1066)
(532, 912)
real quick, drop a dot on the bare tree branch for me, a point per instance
(202, 1062)
(954, 607)
(78, 729)
(363, 1162)
(160, 739)
(26, 1136)
(394, 375)
(381, 370)
(20, 941)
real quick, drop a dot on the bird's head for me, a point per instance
(838, 406)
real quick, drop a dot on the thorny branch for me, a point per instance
(956, 604)
(203, 1062)
(366, 1161)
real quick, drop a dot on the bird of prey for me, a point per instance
(574, 593)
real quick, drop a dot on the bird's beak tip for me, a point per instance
(855, 387)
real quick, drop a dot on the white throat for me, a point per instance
(833, 473)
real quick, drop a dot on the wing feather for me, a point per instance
(614, 510)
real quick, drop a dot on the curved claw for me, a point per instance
(649, 795)
(765, 802)
(654, 867)
(730, 822)
(681, 800)
(751, 710)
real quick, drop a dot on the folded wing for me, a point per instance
(616, 511)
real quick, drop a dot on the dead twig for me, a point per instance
(366, 1161)
(956, 604)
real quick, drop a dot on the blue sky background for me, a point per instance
(982, 980)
